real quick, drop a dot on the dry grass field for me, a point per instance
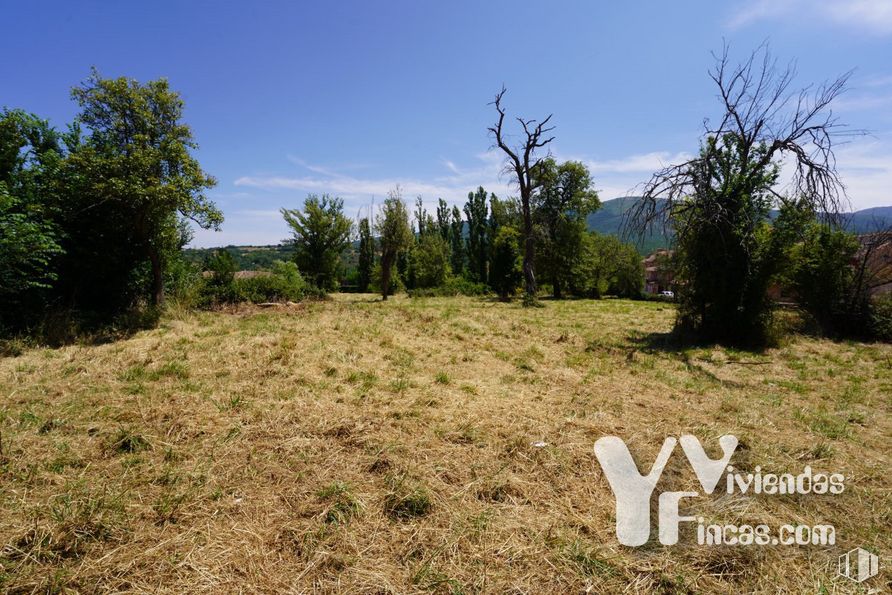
(359, 446)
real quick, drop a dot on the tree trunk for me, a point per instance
(386, 263)
(157, 278)
(529, 251)
(558, 294)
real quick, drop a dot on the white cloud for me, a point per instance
(613, 177)
(244, 228)
(873, 92)
(874, 16)
(866, 169)
(863, 102)
(644, 163)
(877, 80)
(453, 186)
(760, 10)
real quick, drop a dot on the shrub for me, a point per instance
(826, 283)
(274, 287)
(283, 283)
(506, 273)
(881, 317)
(607, 266)
(183, 281)
(396, 283)
(429, 261)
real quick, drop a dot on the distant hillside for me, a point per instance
(248, 258)
(609, 220)
(869, 220)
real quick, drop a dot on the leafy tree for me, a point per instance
(564, 198)
(395, 235)
(607, 266)
(134, 168)
(828, 286)
(443, 219)
(222, 266)
(420, 215)
(477, 249)
(366, 255)
(506, 272)
(503, 213)
(719, 201)
(456, 242)
(29, 155)
(593, 271)
(628, 275)
(429, 260)
(321, 233)
(220, 287)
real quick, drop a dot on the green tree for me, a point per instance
(366, 255)
(134, 167)
(593, 270)
(723, 258)
(321, 233)
(829, 288)
(607, 266)
(429, 260)
(477, 248)
(503, 213)
(394, 235)
(564, 199)
(719, 202)
(420, 214)
(456, 242)
(506, 272)
(29, 156)
(628, 276)
(443, 219)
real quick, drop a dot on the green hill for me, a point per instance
(609, 220)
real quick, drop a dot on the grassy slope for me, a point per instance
(274, 450)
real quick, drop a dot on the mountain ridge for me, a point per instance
(610, 217)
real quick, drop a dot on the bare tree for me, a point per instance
(760, 110)
(718, 201)
(521, 162)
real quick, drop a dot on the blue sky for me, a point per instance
(352, 98)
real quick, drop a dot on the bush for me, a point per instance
(283, 283)
(429, 261)
(881, 317)
(182, 281)
(506, 272)
(827, 285)
(607, 266)
(396, 282)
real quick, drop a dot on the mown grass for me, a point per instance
(426, 445)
